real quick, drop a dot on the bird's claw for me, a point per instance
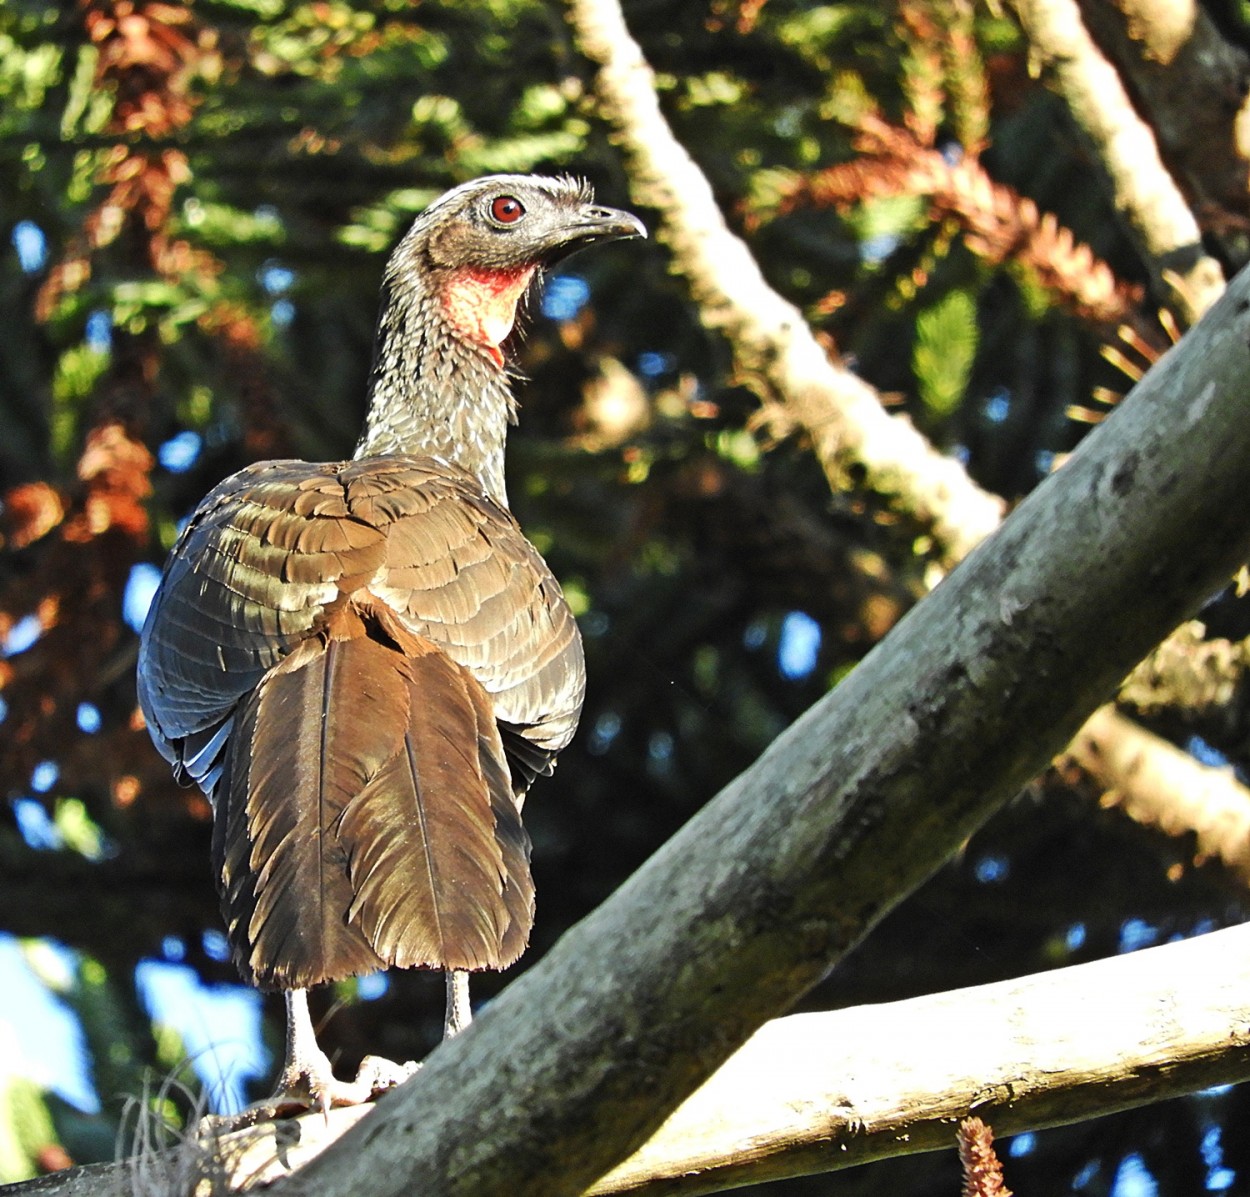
(321, 1090)
(382, 1074)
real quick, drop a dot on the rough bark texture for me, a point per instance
(576, 1064)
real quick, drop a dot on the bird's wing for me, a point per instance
(365, 664)
(276, 545)
(250, 578)
(459, 572)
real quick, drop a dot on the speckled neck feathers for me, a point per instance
(431, 390)
(439, 385)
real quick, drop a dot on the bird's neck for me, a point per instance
(439, 383)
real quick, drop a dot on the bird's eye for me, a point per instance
(506, 209)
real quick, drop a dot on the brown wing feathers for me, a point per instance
(365, 664)
(365, 792)
(281, 868)
(367, 803)
(437, 856)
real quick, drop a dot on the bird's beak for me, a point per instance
(593, 224)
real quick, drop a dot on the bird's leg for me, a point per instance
(459, 1011)
(307, 1075)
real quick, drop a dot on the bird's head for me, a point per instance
(479, 246)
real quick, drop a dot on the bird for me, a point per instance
(365, 664)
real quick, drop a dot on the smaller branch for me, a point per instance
(772, 343)
(1200, 678)
(1191, 83)
(1159, 785)
(1144, 191)
(820, 1092)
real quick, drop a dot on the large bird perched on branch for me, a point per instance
(364, 664)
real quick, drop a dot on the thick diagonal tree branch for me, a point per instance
(578, 1062)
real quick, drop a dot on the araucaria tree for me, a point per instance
(856, 742)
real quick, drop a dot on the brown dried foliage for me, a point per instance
(147, 53)
(81, 544)
(73, 593)
(983, 1174)
(998, 224)
(744, 14)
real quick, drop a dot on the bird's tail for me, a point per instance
(366, 817)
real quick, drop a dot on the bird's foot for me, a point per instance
(319, 1089)
(308, 1082)
(302, 1089)
(384, 1074)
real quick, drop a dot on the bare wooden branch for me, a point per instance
(1191, 83)
(819, 1092)
(844, 414)
(1144, 190)
(1161, 786)
(772, 343)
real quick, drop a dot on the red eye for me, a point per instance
(506, 209)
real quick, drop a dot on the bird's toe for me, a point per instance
(382, 1075)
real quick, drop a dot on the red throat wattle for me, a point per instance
(481, 304)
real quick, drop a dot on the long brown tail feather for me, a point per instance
(376, 823)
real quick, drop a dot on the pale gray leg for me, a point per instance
(459, 1011)
(307, 1075)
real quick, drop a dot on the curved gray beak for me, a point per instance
(593, 224)
(597, 223)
